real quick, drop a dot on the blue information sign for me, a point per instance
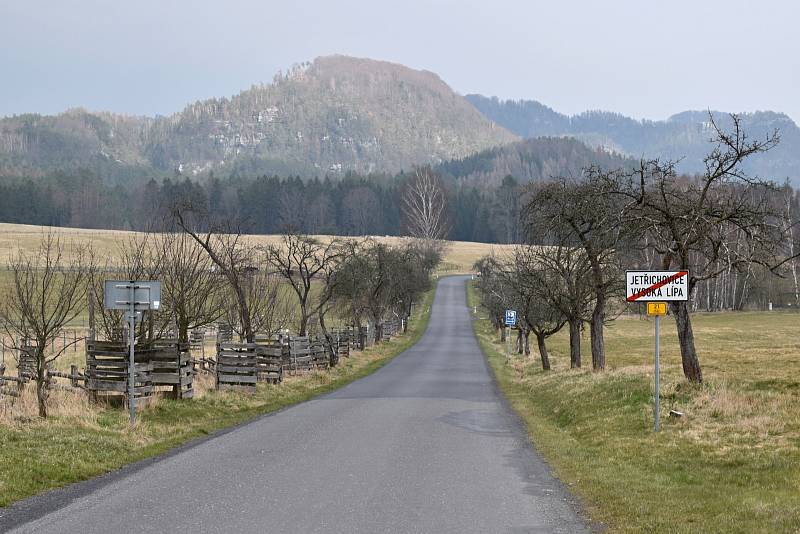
(511, 317)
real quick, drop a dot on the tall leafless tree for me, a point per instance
(586, 214)
(689, 221)
(424, 206)
(46, 292)
(192, 290)
(300, 260)
(537, 309)
(233, 258)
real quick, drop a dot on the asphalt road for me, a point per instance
(425, 444)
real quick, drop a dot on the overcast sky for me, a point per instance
(646, 59)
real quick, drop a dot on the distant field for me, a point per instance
(459, 257)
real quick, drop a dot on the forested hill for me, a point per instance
(683, 136)
(530, 160)
(328, 117)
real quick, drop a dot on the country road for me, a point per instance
(426, 444)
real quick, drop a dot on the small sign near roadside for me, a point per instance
(664, 286)
(511, 317)
(656, 288)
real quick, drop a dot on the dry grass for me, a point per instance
(731, 464)
(459, 256)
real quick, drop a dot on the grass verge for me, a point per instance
(731, 464)
(39, 455)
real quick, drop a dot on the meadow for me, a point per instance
(731, 463)
(458, 258)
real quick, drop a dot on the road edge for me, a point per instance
(23, 511)
(574, 501)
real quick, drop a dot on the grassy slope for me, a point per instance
(732, 464)
(36, 456)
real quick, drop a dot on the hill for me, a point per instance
(684, 136)
(529, 160)
(328, 117)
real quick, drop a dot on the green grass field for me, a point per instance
(82, 440)
(731, 464)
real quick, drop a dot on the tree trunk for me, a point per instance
(502, 334)
(41, 381)
(183, 331)
(691, 364)
(519, 341)
(378, 332)
(303, 323)
(527, 342)
(332, 355)
(575, 343)
(540, 341)
(596, 333)
(244, 316)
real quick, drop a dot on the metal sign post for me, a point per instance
(134, 297)
(657, 310)
(131, 350)
(656, 288)
(510, 320)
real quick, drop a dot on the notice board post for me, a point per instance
(656, 288)
(133, 296)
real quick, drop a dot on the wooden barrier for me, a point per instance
(237, 365)
(75, 378)
(107, 371)
(320, 356)
(299, 354)
(305, 354)
(391, 328)
(197, 342)
(171, 366)
(341, 341)
(271, 353)
(26, 361)
(224, 333)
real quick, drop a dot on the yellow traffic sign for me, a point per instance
(655, 309)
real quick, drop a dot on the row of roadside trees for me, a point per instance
(209, 277)
(583, 232)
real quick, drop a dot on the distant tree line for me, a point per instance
(352, 206)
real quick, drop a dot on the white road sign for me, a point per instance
(643, 286)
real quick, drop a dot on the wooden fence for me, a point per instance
(237, 365)
(107, 371)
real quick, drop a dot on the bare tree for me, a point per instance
(688, 222)
(46, 292)
(564, 280)
(233, 259)
(585, 214)
(424, 206)
(269, 307)
(192, 289)
(537, 309)
(496, 296)
(300, 260)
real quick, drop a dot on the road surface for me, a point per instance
(426, 444)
